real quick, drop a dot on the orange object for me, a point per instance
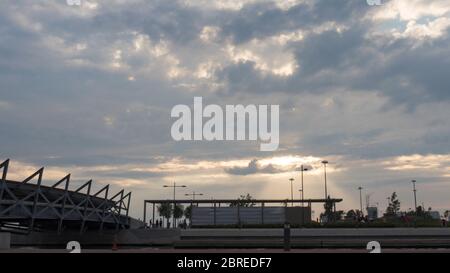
(114, 246)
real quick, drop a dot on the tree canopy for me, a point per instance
(243, 201)
(394, 205)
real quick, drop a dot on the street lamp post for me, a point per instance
(303, 189)
(325, 162)
(292, 191)
(174, 186)
(303, 207)
(414, 191)
(193, 194)
(303, 169)
(360, 200)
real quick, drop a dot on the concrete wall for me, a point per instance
(5, 240)
(143, 237)
(321, 232)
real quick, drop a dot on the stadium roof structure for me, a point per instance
(27, 206)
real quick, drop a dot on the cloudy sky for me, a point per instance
(88, 90)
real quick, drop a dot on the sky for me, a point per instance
(88, 90)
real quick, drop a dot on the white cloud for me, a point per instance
(432, 29)
(407, 10)
(431, 162)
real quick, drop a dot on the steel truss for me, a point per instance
(34, 206)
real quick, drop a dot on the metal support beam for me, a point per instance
(262, 213)
(145, 212)
(39, 174)
(4, 165)
(86, 203)
(32, 205)
(214, 213)
(63, 208)
(153, 215)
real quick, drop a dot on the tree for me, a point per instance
(165, 210)
(354, 214)
(337, 216)
(188, 212)
(178, 212)
(243, 201)
(419, 211)
(328, 213)
(359, 214)
(394, 205)
(351, 214)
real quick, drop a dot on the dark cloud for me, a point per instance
(91, 113)
(253, 168)
(261, 20)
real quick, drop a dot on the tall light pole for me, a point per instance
(414, 190)
(303, 208)
(174, 186)
(193, 194)
(360, 200)
(303, 189)
(325, 162)
(292, 191)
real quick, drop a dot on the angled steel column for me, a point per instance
(120, 210)
(128, 196)
(104, 204)
(95, 209)
(38, 173)
(85, 201)
(63, 206)
(3, 165)
(114, 214)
